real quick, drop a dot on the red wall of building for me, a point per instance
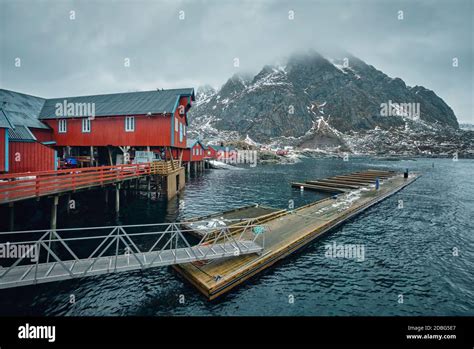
(181, 118)
(149, 130)
(30, 156)
(188, 153)
(2, 149)
(42, 135)
(213, 154)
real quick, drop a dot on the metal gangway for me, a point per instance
(64, 254)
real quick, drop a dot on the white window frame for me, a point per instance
(129, 124)
(176, 126)
(62, 126)
(86, 125)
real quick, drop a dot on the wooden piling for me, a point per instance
(11, 205)
(117, 198)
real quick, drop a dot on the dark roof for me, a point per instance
(129, 103)
(4, 121)
(20, 133)
(21, 109)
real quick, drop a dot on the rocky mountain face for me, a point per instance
(322, 103)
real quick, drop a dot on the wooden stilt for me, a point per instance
(68, 203)
(54, 219)
(54, 212)
(117, 198)
(109, 151)
(12, 216)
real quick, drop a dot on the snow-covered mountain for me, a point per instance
(331, 103)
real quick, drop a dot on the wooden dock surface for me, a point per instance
(287, 233)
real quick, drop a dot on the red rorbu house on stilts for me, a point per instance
(194, 155)
(109, 129)
(102, 129)
(96, 130)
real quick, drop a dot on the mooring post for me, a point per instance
(12, 216)
(117, 198)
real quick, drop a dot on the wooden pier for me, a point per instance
(23, 186)
(292, 230)
(168, 178)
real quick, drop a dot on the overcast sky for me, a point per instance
(61, 56)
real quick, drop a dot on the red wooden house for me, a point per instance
(219, 152)
(194, 151)
(149, 120)
(104, 127)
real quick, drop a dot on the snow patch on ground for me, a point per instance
(223, 165)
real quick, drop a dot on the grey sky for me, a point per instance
(64, 57)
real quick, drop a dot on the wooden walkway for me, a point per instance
(22, 186)
(289, 232)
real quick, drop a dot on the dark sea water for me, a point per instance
(408, 251)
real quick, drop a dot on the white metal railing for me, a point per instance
(68, 253)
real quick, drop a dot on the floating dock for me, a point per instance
(344, 183)
(291, 230)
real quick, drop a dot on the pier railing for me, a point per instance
(74, 253)
(17, 186)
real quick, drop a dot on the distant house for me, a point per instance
(194, 151)
(108, 128)
(220, 152)
(207, 152)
